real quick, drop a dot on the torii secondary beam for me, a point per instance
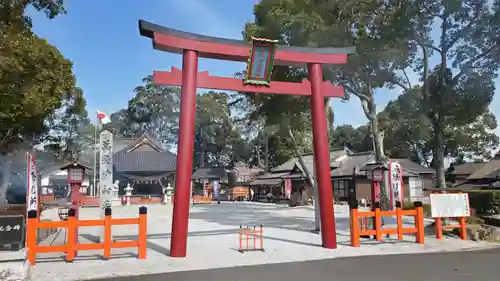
(205, 81)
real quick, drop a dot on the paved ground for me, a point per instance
(456, 266)
(213, 240)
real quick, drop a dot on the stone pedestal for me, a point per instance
(116, 201)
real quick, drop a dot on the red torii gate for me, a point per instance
(192, 46)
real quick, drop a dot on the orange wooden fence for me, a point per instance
(359, 229)
(250, 233)
(199, 199)
(72, 225)
(94, 201)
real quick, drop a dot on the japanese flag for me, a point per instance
(103, 117)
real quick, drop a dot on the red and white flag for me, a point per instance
(103, 117)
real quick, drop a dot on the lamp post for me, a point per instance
(377, 178)
(76, 175)
(375, 172)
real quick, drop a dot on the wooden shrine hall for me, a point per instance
(145, 165)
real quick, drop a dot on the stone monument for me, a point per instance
(105, 174)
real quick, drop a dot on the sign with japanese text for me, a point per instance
(450, 205)
(105, 173)
(11, 229)
(105, 170)
(395, 183)
(32, 196)
(216, 188)
(260, 63)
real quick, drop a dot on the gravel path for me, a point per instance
(452, 266)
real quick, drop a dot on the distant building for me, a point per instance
(483, 176)
(344, 167)
(145, 165)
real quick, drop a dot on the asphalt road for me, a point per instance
(460, 266)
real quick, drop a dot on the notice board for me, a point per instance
(450, 205)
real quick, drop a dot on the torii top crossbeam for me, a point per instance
(175, 41)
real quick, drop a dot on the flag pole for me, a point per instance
(94, 188)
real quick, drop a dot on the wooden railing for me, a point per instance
(358, 230)
(254, 234)
(72, 224)
(462, 227)
(201, 199)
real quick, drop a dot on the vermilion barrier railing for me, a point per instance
(72, 224)
(198, 199)
(145, 199)
(248, 237)
(357, 230)
(462, 226)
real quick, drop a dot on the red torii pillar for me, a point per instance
(193, 46)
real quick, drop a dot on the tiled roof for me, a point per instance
(209, 173)
(489, 170)
(466, 168)
(347, 166)
(308, 158)
(268, 182)
(359, 160)
(414, 167)
(274, 175)
(144, 161)
(127, 159)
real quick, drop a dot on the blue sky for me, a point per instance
(110, 57)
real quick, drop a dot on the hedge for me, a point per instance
(410, 206)
(485, 201)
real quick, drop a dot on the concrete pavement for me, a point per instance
(454, 266)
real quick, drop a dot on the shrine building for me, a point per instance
(143, 164)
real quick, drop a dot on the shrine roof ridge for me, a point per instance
(148, 29)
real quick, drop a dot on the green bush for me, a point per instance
(410, 206)
(485, 201)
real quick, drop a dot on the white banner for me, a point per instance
(216, 188)
(32, 184)
(396, 183)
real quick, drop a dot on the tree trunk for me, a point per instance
(5, 167)
(260, 164)
(439, 158)
(202, 154)
(370, 110)
(310, 178)
(266, 155)
(378, 142)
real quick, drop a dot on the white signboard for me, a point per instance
(396, 183)
(450, 205)
(32, 184)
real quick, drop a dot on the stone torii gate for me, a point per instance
(193, 46)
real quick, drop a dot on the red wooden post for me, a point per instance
(75, 205)
(180, 217)
(322, 158)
